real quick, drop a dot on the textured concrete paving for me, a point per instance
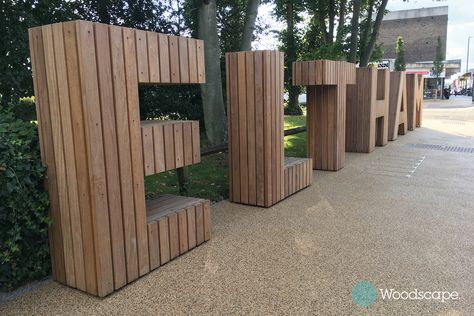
(401, 217)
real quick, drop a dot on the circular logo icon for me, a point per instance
(364, 293)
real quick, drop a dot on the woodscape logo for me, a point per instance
(364, 294)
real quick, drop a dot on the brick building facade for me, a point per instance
(419, 28)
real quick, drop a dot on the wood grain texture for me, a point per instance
(255, 122)
(367, 110)
(397, 116)
(414, 86)
(86, 77)
(326, 82)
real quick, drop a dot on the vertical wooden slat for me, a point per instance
(267, 128)
(196, 142)
(136, 150)
(178, 145)
(282, 124)
(250, 94)
(148, 150)
(110, 152)
(154, 244)
(164, 240)
(142, 56)
(174, 59)
(163, 49)
(193, 69)
(55, 116)
(273, 127)
(244, 180)
(183, 60)
(229, 128)
(207, 220)
(191, 217)
(199, 224)
(153, 57)
(174, 235)
(124, 149)
(42, 103)
(168, 133)
(183, 231)
(234, 125)
(259, 129)
(188, 147)
(200, 61)
(68, 141)
(94, 141)
(80, 153)
(159, 148)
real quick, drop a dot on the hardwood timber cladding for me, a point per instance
(86, 78)
(326, 83)
(397, 116)
(414, 83)
(367, 110)
(255, 114)
(168, 145)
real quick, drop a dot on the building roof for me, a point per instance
(416, 13)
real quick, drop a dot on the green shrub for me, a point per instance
(24, 109)
(24, 253)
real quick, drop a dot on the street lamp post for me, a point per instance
(467, 68)
(467, 61)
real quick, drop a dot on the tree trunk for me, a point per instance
(183, 184)
(367, 53)
(354, 31)
(249, 25)
(331, 15)
(211, 92)
(367, 27)
(293, 107)
(340, 26)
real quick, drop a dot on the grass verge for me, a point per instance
(209, 179)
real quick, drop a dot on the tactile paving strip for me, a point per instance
(459, 149)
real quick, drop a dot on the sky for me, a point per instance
(460, 26)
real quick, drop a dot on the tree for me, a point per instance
(289, 11)
(400, 51)
(319, 39)
(438, 66)
(364, 33)
(249, 26)
(370, 30)
(211, 92)
(354, 31)
(17, 17)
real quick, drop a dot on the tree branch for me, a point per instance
(364, 60)
(354, 31)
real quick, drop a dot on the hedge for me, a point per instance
(24, 253)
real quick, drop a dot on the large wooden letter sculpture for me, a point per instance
(326, 82)
(414, 100)
(397, 116)
(367, 110)
(259, 173)
(86, 76)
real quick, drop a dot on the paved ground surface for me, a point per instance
(401, 217)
